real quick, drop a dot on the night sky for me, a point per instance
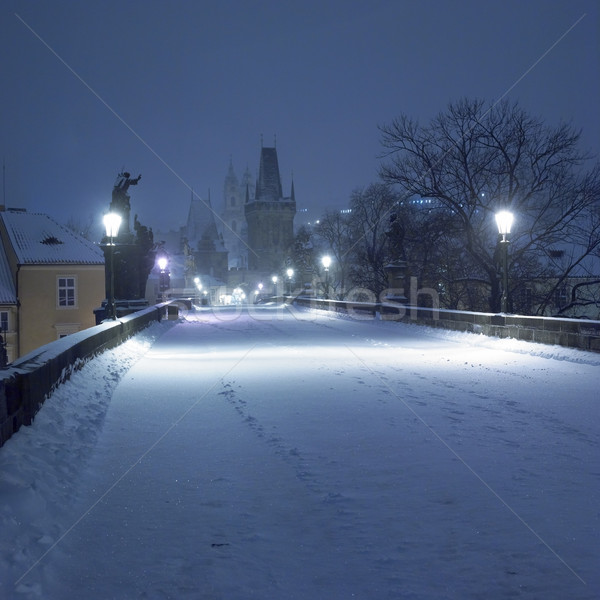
(175, 89)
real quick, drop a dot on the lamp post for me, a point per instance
(504, 220)
(163, 278)
(326, 260)
(112, 222)
(199, 289)
(274, 280)
(290, 274)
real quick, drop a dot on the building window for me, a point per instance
(561, 296)
(3, 320)
(66, 292)
(65, 329)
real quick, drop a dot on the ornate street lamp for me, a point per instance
(274, 280)
(504, 220)
(290, 274)
(326, 260)
(112, 222)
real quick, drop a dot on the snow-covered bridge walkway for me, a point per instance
(280, 455)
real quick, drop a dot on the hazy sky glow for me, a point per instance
(172, 90)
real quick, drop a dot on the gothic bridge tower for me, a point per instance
(270, 217)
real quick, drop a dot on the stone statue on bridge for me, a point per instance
(120, 199)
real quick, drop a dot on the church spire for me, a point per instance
(268, 184)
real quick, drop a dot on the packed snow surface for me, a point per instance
(275, 453)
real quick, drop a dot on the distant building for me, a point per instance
(270, 217)
(8, 311)
(51, 280)
(233, 217)
(201, 238)
(552, 294)
(246, 243)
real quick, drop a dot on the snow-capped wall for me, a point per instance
(583, 334)
(26, 383)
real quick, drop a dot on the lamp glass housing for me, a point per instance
(504, 220)
(112, 222)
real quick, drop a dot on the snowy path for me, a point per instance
(279, 456)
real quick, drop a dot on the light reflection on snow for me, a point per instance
(266, 442)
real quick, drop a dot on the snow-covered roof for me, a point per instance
(38, 239)
(8, 294)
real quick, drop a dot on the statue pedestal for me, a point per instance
(396, 274)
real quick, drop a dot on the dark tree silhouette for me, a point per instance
(474, 160)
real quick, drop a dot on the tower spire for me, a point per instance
(268, 183)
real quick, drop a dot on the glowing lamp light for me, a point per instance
(112, 222)
(504, 220)
(326, 260)
(162, 263)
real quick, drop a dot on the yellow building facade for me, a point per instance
(56, 279)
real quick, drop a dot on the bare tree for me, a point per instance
(475, 160)
(371, 210)
(302, 255)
